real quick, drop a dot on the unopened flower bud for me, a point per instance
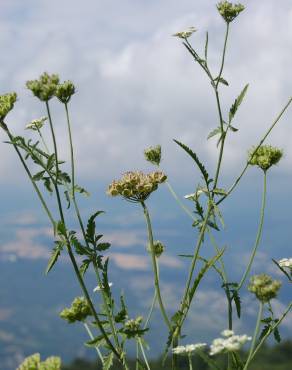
(64, 91)
(264, 287)
(158, 248)
(78, 311)
(6, 104)
(45, 87)
(153, 154)
(265, 156)
(229, 11)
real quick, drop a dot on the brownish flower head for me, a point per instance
(136, 186)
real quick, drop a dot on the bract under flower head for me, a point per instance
(264, 287)
(78, 311)
(229, 11)
(265, 156)
(6, 104)
(188, 349)
(186, 33)
(136, 186)
(64, 91)
(153, 154)
(44, 88)
(36, 124)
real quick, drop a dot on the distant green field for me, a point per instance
(278, 357)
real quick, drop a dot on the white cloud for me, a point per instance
(137, 86)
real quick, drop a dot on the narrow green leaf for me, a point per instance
(80, 190)
(196, 159)
(103, 246)
(237, 103)
(55, 255)
(84, 266)
(222, 80)
(67, 197)
(237, 302)
(214, 132)
(38, 176)
(206, 46)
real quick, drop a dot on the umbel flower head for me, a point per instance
(45, 87)
(158, 248)
(229, 342)
(78, 311)
(6, 104)
(136, 186)
(36, 124)
(265, 156)
(186, 33)
(34, 363)
(189, 349)
(64, 91)
(132, 328)
(229, 11)
(264, 287)
(153, 154)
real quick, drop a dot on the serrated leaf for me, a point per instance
(103, 246)
(90, 230)
(265, 330)
(48, 184)
(97, 341)
(38, 176)
(61, 229)
(122, 315)
(237, 103)
(84, 266)
(196, 159)
(277, 335)
(59, 245)
(108, 361)
(51, 161)
(214, 132)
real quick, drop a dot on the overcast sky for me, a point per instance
(137, 86)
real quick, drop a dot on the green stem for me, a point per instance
(151, 309)
(39, 194)
(109, 313)
(143, 354)
(255, 335)
(154, 265)
(180, 203)
(92, 337)
(69, 249)
(271, 330)
(223, 135)
(43, 141)
(190, 362)
(259, 234)
(137, 355)
(260, 143)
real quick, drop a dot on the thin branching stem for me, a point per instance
(92, 337)
(255, 335)
(154, 265)
(259, 234)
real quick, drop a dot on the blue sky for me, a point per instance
(136, 87)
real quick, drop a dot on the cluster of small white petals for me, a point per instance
(36, 124)
(188, 349)
(285, 262)
(185, 34)
(230, 342)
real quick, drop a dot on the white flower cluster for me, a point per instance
(186, 33)
(36, 124)
(285, 262)
(230, 342)
(188, 349)
(98, 288)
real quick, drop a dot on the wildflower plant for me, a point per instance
(109, 323)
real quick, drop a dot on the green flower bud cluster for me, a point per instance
(64, 91)
(136, 186)
(78, 311)
(34, 363)
(158, 248)
(264, 287)
(36, 124)
(132, 328)
(229, 11)
(6, 104)
(45, 87)
(153, 154)
(186, 33)
(265, 156)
